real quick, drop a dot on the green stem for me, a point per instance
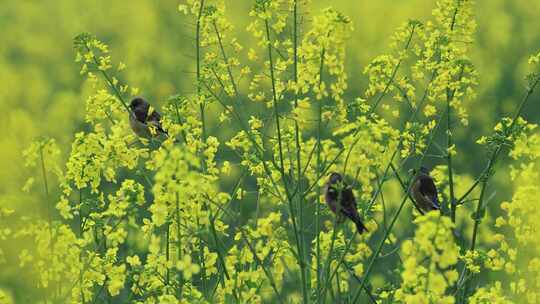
(167, 252)
(449, 98)
(319, 176)
(178, 241)
(300, 198)
(46, 187)
(81, 272)
(297, 233)
(48, 206)
(356, 278)
(198, 73)
(453, 204)
(203, 126)
(329, 256)
(225, 58)
(449, 143)
(274, 98)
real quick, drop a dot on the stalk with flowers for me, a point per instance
(153, 221)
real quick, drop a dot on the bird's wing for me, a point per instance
(348, 196)
(141, 114)
(155, 119)
(348, 203)
(331, 192)
(429, 190)
(330, 196)
(348, 208)
(154, 116)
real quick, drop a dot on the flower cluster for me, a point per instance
(429, 262)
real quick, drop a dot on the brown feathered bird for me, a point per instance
(142, 118)
(340, 199)
(424, 191)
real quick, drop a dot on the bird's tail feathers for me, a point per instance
(435, 203)
(360, 226)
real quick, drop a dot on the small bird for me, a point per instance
(340, 198)
(142, 118)
(424, 191)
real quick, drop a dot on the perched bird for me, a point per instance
(142, 118)
(424, 191)
(340, 198)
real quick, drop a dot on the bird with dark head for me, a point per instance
(340, 199)
(142, 118)
(424, 191)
